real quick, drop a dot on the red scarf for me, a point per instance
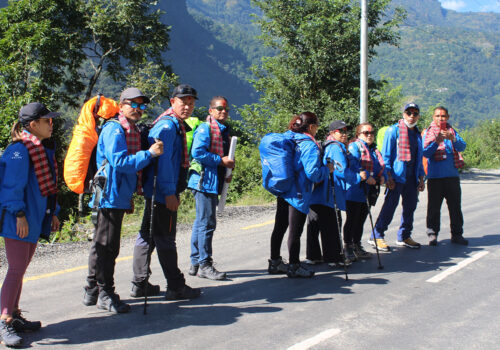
(170, 112)
(367, 161)
(46, 182)
(404, 153)
(133, 138)
(216, 144)
(440, 154)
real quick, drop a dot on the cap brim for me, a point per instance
(51, 115)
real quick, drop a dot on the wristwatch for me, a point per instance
(20, 214)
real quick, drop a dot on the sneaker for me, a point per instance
(193, 270)
(186, 292)
(381, 244)
(21, 324)
(313, 261)
(277, 266)
(90, 295)
(459, 240)
(340, 264)
(433, 240)
(138, 290)
(210, 272)
(408, 242)
(349, 252)
(297, 270)
(8, 334)
(111, 302)
(360, 252)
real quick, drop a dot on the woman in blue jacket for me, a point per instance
(293, 206)
(28, 206)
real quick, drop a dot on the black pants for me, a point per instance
(105, 249)
(287, 217)
(356, 213)
(437, 190)
(144, 246)
(322, 219)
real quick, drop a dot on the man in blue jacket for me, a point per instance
(210, 160)
(402, 153)
(442, 145)
(118, 148)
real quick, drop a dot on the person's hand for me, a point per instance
(421, 185)
(227, 163)
(447, 134)
(363, 175)
(22, 228)
(382, 181)
(132, 207)
(371, 181)
(172, 202)
(391, 184)
(229, 178)
(56, 224)
(156, 148)
(331, 167)
(439, 137)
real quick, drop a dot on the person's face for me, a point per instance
(41, 128)
(131, 113)
(183, 106)
(411, 115)
(367, 134)
(219, 110)
(340, 135)
(440, 116)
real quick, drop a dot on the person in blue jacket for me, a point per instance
(119, 150)
(209, 152)
(28, 173)
(442, 147)
(402, 153)
(368, 166)
(322, 217)
(293, 206)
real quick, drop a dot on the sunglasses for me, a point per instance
(367, 133)
(342, 131)
(142, 106)
(415, 114)
(221, 108)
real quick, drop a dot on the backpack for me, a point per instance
(79, 164)
(276, 156)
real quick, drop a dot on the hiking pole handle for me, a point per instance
(225, 186)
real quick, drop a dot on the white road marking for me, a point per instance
(308, 343)
(441, 276)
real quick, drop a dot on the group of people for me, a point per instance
(347, 176)
(185, 153)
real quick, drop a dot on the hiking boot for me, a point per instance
(90, 295)
(433, 240)
(8, 335)
(381, 244)
(360, 252)
(193, 270)
(298, 271)
(186, 292)
(349, 252)
(408, 242)
(210, 272)
(313, 261)
(111, 302)
(459, 240)
(138, 290)
(277, 266)
(21, 324)
(340, 264)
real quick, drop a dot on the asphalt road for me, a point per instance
(408, 304)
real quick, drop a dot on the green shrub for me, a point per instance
(483, 145)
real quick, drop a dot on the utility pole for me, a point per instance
(363, 95)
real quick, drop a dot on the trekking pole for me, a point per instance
(380, 267)
(328, 160)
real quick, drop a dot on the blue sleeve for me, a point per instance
(431, 147)
(354, 163)
(342, 169)
(15, 178)
(459, 143)
(201, 147)
(389, 149)
(311, 162)
(166, 131)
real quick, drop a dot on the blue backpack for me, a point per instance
(276, 157)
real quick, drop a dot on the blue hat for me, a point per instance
(411, 105)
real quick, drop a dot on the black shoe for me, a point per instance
(299, 271)
(433, 240)
(210, 272)
(8, 335)
(90, 295)
(193, 270)
(459, 240)
(186, 292)
(111, 302)
(138, 290)
(349, 252)
(277, 266)
(360, 252)
(22, 325)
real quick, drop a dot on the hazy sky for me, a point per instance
(472, 5)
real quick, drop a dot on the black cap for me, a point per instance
(34, 111)
(337, 125)
(184, 90)
(131, 93)
(411, 105)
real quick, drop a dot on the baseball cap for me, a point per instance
(337, 125)
(411, 105)
(184, 90)
(131, 93)
(34, 111)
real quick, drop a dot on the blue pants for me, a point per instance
(203, 228)
(409, 193)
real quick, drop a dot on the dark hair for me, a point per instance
(441, 108)
(216, 98)
(300, 123)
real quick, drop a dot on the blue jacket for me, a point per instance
(308, 169)
(355, 191)
(395, 167)
(121, 168)
(445, 167)
(200, 150)
(343, 175)
(20, 191)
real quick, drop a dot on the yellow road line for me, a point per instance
(258, 225)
